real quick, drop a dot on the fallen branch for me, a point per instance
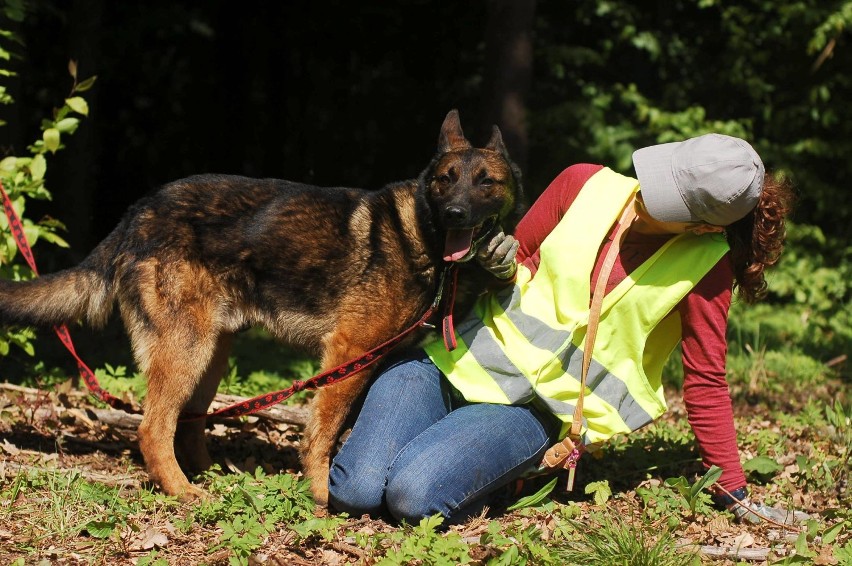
(723, 552)
(278, 414)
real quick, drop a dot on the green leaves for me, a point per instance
(78, 105)
(601, 490)
(51, 139)
(763, 467)
(535, 498)
(422, 544)
(694, 494)
(23, 178)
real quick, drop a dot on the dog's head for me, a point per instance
(473, 192)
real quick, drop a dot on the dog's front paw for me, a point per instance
(321, 497)
(192, 494)
(319, 487)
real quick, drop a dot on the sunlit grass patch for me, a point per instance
(608, 539)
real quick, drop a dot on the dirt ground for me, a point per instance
(64, 430)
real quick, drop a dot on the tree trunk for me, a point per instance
(508, 72)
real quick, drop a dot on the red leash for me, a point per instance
(331, 376)
(260, 402)
(62, 331)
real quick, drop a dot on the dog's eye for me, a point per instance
(487, 182)
(443, 179)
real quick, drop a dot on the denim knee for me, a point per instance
(412, 501)
(356, 494)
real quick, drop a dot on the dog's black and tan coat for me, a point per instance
(335, 271)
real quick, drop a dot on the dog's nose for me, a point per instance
(455, 213)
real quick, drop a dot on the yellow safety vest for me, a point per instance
(524, 343)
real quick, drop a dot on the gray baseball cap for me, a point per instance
(713, 179)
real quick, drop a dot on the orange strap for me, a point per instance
(560, 452)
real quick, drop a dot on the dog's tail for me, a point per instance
(86, 291)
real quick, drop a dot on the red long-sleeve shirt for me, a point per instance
(703, 312)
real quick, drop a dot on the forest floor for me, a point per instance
(73, 490)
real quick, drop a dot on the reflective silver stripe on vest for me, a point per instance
(490, 356)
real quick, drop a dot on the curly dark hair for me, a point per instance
(757, 239)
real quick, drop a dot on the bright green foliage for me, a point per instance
(23, 178)
(696, 495)
(600, 491)
(248, 507)
(677, 499)
(762, 467)
(69, 507)
(608, 540)
(535, 498)
(517, 545)
(423, 544)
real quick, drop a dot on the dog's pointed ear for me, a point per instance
(496, 143)
(451, 137)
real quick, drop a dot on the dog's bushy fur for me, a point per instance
(334, 271)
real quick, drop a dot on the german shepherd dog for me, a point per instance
(333, 271)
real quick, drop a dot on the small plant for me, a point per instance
(661, 502)
(695, 495)
(423, 544)
(606, 540)
(247, 507)
(600, 491)
(23, 178)
(517, 546)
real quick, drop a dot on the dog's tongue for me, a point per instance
(457, 244)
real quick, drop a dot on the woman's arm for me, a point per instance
(704, 320)
(547, 211)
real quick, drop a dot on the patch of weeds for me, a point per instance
(840, 429)
(48, 509)
(324, 528)
(766, 374)
(257, 353)
(661, 502)
(695, 495)
(152, 559)
(761, 469)
(260, 382)
(677, 497)
(117, 381)
(826, 465)
(246, 508)
(423, 544)
(519, 545)
(605, 540)
(765, 440)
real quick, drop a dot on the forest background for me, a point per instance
(352, 93)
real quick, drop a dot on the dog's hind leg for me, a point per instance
(173, 374)
(190, 440)
(170, 314)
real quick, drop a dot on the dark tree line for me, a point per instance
(352, 93)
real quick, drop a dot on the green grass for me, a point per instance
(609, 540)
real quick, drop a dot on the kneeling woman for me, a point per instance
(442, 431)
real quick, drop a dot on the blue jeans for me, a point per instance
(412, 453)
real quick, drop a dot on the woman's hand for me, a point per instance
(498, 256)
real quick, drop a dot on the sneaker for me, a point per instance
(755, 513)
